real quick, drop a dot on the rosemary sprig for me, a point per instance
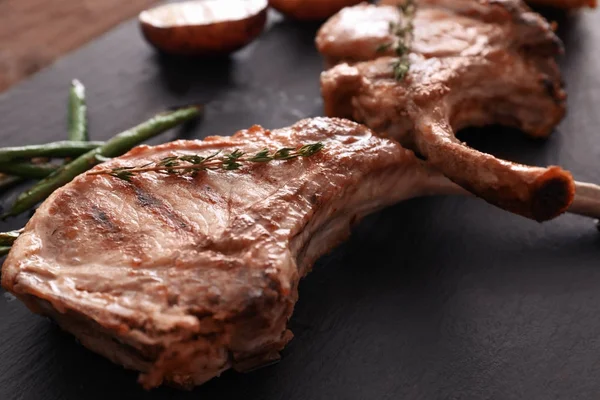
(191, 165)
(403, 32)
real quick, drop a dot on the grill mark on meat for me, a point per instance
(146, 199)
(102, 218)
(229, 201)
(159, 208)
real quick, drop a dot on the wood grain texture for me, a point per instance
(439, 298)
(33, 33)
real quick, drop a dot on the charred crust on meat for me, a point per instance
(555, 192)
(213, 299)
(100, 216)
(172, 299)
(554, 90)
(200, 313)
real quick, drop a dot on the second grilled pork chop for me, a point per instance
(183, 277)
(473, 63)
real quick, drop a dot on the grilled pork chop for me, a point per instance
(473, 63)
(183, 277)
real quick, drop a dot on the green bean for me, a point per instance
(26, 169)
(8, 238)
(77, 113)
(114, 147)
(102, 159)
(4, 251)
(55, 149)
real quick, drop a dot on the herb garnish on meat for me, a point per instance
(191, 165)
(403, 32)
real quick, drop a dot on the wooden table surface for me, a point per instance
(34, 33)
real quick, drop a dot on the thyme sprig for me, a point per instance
(191, 165)
(403, 32)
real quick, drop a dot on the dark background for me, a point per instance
(438, 298)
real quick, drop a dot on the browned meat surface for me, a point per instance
(183, 277)
(473, 63)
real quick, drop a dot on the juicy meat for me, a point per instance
(183, 277)
(473, 63)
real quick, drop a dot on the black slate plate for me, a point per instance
(438, 298)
